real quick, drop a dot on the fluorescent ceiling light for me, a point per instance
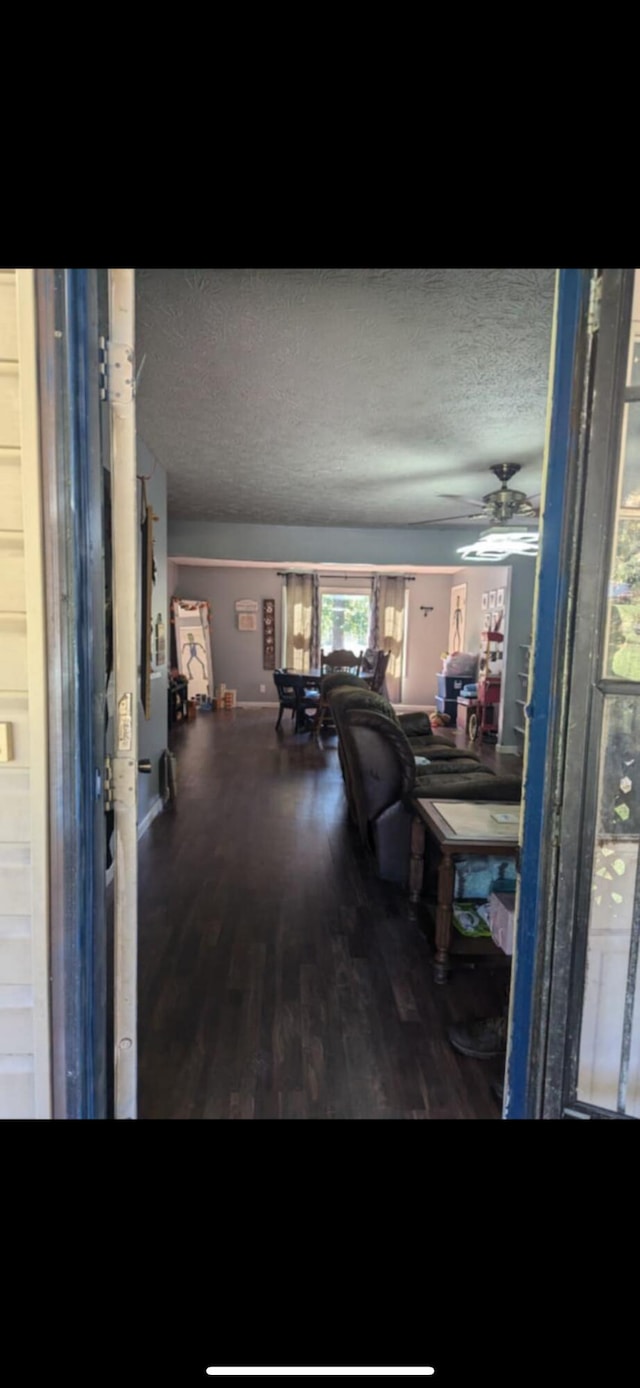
(498, 544)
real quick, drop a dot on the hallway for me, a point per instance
(278, 977)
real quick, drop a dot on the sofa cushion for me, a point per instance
(465, 766)
(419, 723)
(436, 751)
(341, 679)
(480, 784)
(349, 697)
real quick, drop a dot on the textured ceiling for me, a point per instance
(341, 397)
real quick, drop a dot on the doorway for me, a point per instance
(594, 359)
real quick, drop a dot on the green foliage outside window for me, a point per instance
(344, 622)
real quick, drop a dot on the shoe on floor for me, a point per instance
(482, 1039)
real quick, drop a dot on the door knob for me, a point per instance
(145, 766)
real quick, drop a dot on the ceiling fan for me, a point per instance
(499, 507)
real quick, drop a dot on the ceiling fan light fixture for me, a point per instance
(494, 545)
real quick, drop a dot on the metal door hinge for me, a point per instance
(108, 785)
(117, 372)
(595, 300)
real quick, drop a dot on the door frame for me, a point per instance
(68, 370)
(574, 353)
(587, 690)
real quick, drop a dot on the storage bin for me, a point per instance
(449, 686)
(449, 706)
(230, 698)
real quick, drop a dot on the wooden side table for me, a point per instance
(455, 829)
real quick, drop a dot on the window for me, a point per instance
(344, 621)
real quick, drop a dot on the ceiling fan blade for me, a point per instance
(470, 500)
(442, 520)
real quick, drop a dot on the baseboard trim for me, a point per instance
(256, 703)
(154, 810)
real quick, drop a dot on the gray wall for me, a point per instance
(291, 544)
(480, 578)
(152, 735)
(172, 579)
(236, 655)
(404, 546)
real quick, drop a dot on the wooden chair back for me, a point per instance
(380, 670)
(340, 660)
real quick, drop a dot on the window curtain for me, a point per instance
(388, 617)
(374, 614)
(315, 624)
(303, 622)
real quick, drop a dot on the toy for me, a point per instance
(439, 720)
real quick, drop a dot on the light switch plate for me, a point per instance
(6, 742)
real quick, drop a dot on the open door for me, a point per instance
(575, 1024)
(87, 425)
(71, 306)
(119, 376)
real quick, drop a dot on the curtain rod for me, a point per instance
(294, 573)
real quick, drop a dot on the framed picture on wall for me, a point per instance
(492, 599)
(269, 634)
(457, 615)
(485, 601)
(486, 622)
(500, 597)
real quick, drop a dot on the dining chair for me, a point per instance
(340, 660)
(379, 671)
(294, 695)
(287, 694)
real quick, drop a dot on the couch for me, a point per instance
(388, 760)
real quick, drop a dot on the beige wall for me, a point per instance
(24, 1006)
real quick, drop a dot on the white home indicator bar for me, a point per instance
(271, 1373)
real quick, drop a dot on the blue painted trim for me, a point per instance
(81, 955)
(572, 302)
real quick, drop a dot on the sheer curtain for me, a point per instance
(303, 622)
(387, 628)
(374, 614)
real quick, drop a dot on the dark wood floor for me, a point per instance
(278, 977)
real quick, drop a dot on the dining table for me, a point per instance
(310, 679)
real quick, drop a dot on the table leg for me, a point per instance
(446, 879)
(416, 865)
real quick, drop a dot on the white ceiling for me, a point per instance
(341, 397)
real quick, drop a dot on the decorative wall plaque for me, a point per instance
(269, 633)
